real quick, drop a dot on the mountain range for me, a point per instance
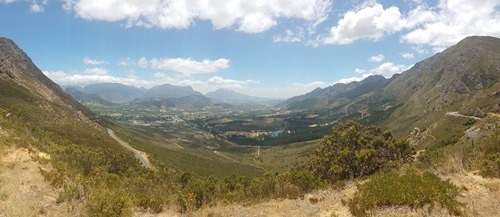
(465, 77)
(182, 96)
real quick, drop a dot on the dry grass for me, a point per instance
(23, 191)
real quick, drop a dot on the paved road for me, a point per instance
(143, 157)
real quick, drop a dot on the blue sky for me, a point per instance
(271, 48)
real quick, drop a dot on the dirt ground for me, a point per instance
(23, 190)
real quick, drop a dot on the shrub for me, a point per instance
(491, 166)
(303, 179)
(413, 188)
(108, 203)
(354, 150)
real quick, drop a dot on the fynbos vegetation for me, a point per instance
(354, 150)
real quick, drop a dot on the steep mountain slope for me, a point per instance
(465, 78)
(448, 81)
(30, 97)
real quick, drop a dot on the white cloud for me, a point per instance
(377, 58)
(88, 61)
(126, 62)
(142, 62)
(7, 1)
(221, 82)
(290, 36)
(436, 26)
(407, 55)
(246, 16)
(92, 76)
(82, 79)
(96, 71)
(312, 85)
(388, 69)
(369, 21)
(452, 20)
(352, 79)
(185, 66)
(36, 6)
(360, 71)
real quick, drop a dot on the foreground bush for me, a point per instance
(491, 166)
(108, 203)
(354, 150)
(413, 188)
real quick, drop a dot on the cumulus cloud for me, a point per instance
(290, 36)
(35, 7)
(126, 62)
(312, 85)
(184, 66)
(221, 82)
(85, 78)
(452, 20)
(360, 71)
(436, 26)
(407, 55)
(246, 16)
(369, 21)
(7, 1)
(377, 58)
(352, 79)
(388, 69)
(96, 71)
(92, 76)
(88, 61)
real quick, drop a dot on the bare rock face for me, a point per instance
(17, 67)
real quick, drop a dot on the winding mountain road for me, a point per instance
(143, 157)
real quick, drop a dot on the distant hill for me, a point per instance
(120, 93)
(86, 99)
(235, 98)
(192, 102)
(169, 91)
(337, 95)
(114, 92)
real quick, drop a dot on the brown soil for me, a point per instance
(23, 190)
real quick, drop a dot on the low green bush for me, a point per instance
(413, 188)
(491, 166)
(106, 202)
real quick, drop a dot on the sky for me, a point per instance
(267, 48)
